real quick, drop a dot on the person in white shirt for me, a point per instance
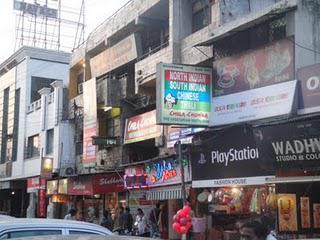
(71, 215)
(141, 223)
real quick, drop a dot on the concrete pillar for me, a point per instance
(44, 92)
(58, 100)
(31, 210)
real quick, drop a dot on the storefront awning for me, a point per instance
(249, 21)
(298, 179)
(165, 194)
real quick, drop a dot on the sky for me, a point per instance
(96, 11)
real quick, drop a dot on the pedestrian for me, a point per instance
(154, 221)
(107, 220)
(71, 214)
(253, 230)
(141, 224)
(269, 222)
(128, 220)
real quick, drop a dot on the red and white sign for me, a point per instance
(108, 183)
(80, 186)
(142, 127)
(36, 183)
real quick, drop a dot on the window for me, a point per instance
(79, 83)
(38, 83)
(4, 136)
(16, 125)
(77, 232)
(33, 146)
(49, 145)
(201, 16)
(30, 233)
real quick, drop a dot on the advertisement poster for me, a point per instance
(305, 212)
(298, 150)
(90, 125)
(256, 68)
(316, 215)
(184, 96)
(309, 89)
(226, 161)
(287, 213)
(176, 133)
(142, 127)
(260, 103)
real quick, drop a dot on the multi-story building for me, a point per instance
(36, 137)
(249, 44)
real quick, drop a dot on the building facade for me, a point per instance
(253, 47)
(35, 129)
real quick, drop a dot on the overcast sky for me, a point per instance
(96, 12)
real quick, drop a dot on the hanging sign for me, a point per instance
(184, 94)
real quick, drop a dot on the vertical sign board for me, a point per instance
(185, 94)
(90, 126)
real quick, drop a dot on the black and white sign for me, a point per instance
(291, 146)
(230, 158)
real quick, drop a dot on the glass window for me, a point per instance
(79, 83)
(33, 147)
(49, 145)
(37, 83)
(77, 232)
(201, 16)
(30, 233)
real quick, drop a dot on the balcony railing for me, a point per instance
(153, 50)
(34, 106)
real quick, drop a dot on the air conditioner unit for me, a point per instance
(68, 171)
(80, 88)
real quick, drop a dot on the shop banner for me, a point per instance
(309, 89)
(227, 158)
(184, 94)
(121, 53)
(108, 183)
(253, 104)
(256, 68)
(294, 145)
(36, 183)
(90, 125)
(176, 133)
(316, 215)
(166, 171)
(305, 212)
(135, 177)
(80, 186)
(142, 127)
(42, 204)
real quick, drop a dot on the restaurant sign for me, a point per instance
(142, 127)
(260, 103)
(184, 95)
(256, 68)
(135, 177)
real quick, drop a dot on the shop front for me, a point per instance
(92, 194)
(230, 179)
(158, 181)
(36, 187)
(294, 148)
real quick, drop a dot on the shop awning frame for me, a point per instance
(166, 193)
(288, 180)
(249, 21)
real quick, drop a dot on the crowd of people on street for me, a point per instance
(124, 223)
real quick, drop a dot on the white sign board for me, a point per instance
(260, 103)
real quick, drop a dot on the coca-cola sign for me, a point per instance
(309, 89)
(80, 186)
(142, 127)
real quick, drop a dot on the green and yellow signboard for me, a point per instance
(184, 94)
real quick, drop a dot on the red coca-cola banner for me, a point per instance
(42, 205)
(108, 183)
